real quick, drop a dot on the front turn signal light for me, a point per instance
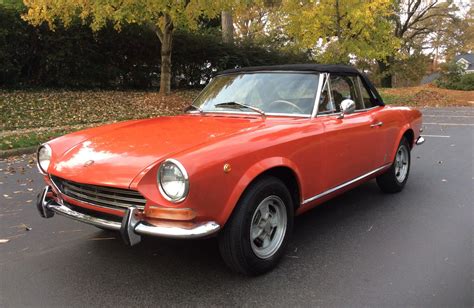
(170, 213)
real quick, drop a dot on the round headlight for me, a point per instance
(44, 158)
(173, 181)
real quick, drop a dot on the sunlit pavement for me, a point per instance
(363, 248)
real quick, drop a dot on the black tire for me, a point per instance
(234, 240)
(388, 181)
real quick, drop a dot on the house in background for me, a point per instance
(466, 61)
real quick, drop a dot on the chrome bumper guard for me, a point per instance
(130, 228)
(420, 140)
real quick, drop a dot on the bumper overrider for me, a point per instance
(131, 227)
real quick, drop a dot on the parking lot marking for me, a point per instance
(450, 124)
(447, 116)
(436, 136)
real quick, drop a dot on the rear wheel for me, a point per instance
(254, 238)
(395, 178)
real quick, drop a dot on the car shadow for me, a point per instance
(196, 266)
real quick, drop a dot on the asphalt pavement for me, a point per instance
(364, 248)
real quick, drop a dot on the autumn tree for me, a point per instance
(340, 29)
(414, 21)
(162, 16)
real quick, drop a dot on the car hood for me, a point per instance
(116, 156)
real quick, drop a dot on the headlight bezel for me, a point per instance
(185, 175)
(42, 170)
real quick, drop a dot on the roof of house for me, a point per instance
(430, 78)
(469, 57)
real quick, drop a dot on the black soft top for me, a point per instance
(319, 68)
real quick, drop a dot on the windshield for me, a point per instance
(269, 93)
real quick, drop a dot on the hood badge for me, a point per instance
(88, 163)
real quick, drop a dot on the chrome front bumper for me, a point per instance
(130, 228)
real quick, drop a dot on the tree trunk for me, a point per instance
(227, 27)
(384, 70)
(165, 76)
(165, 34)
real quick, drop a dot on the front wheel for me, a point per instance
(254, 238)
(395, 178)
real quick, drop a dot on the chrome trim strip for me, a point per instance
(318, 95)
(197, 230)
(63, 210)
(355, 112)
(92, 199)
(268, 72)
(327, 192)
(94, 188)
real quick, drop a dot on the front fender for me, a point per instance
(251, 174)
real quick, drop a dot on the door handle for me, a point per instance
(379, 123)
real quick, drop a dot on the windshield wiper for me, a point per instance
(240, 106)
(193, 107)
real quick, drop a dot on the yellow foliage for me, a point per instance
(340, 29)
(98, 13)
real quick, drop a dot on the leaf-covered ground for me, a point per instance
(28, 118)
(427, 96)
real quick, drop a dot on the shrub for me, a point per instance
(453, 77)
(78, 58)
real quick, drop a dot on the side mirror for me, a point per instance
(347, 106)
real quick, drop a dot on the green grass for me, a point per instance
(56, 108)
(397, 99)
(29, 139)
(31, 117)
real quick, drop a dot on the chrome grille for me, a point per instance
(100, 195)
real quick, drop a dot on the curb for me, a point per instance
(20, 151)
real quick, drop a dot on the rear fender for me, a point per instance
(403, 130)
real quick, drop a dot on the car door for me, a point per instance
(385, 128)
(348, 142)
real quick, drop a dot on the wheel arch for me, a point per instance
(281, 168)
(407, 132)
(410, 135)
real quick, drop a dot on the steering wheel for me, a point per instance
(292, 105)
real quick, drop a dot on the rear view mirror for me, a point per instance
(347, 107)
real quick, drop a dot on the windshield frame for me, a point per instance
(273, 114)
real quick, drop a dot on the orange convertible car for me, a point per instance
(258, 146)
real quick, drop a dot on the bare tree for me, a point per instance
(413, 21)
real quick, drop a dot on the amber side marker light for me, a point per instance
(170, 213)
